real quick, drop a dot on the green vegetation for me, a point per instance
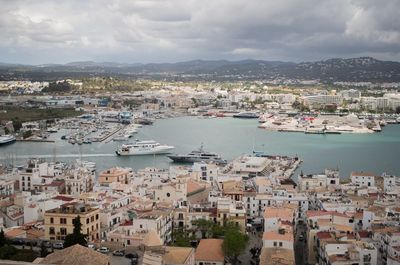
(115, 84)
(60, 87)
(43, 251)
(300, 106)
(76, 237)
(19, 115)
(27, 134)
(234, 243)
(204, 226)
(182, 238)
(3, 239)
(235, 240)
(12, 253)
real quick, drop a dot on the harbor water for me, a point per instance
(230, 137)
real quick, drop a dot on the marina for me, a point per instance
(230, 138)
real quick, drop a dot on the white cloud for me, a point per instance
(173, 30)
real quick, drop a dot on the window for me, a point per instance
(63, 231)
(87, 220)
(97, 216)
(92, 218)
(51, 231)
(63, 220)
(280, 244)
(168, 194)
(275, 244)
(51, 220)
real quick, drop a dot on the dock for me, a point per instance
(36, 140)
(109, 137)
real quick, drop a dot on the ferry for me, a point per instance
(143, 148)
(7, 139)
(198, 156)
(246, 115)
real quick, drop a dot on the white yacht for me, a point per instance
(7, 139)
(144, 148)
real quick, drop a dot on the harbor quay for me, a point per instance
(177, 177)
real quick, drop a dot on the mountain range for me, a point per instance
(362, 69)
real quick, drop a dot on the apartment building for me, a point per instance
(58, 222)
(115, 174)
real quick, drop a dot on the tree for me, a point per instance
(234, 243)
(27, 134)
(76, 237)
(17, 124)
(3, 239)
(181, 238)
(43, 251)
(205, 227)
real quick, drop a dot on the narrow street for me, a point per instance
(300, 245)
(254, 242)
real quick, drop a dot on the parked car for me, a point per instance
(103, 250)
(17, 241)
(133, 255)
(46, 244)
(92, 246)
(31, 242)
(120, 253)
(58, 245)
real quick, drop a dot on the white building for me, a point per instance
(319, 182)
(363, 179)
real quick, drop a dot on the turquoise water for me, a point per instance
(378, 152)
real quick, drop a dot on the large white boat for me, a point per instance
(7, 139)
(198, 156)
(144, 148)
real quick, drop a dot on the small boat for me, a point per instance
(120, 138)
(143, 121)
(7, 139)
(52, 130)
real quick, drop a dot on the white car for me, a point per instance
(91, 246)
(103, 250)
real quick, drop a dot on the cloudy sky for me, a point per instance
(44, 31)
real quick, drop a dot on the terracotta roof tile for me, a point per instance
(210, 250)
(76, 255)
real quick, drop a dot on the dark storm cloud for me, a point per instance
(174, 30)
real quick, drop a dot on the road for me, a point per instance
(300, 246)
(254, 241)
